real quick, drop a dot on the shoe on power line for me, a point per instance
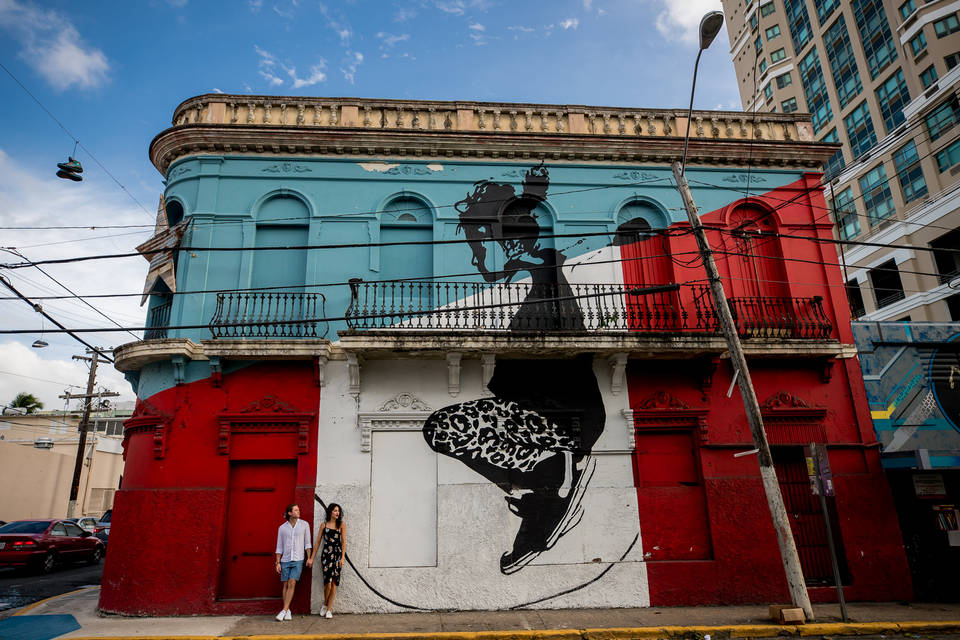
(66, 175)
(71, 165)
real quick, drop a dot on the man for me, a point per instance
(293, 544)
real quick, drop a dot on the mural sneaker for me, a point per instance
(287, 615)
(280, 616)
(547, 514)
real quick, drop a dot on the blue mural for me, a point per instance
(912, 376)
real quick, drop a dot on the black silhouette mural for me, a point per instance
(535, 437)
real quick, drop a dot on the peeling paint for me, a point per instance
(381, 167)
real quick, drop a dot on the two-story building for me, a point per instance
(484, 330)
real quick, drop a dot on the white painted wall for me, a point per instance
(387, 504)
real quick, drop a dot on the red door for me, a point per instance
(259, 492)
(806, 518)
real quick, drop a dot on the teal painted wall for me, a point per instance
(250, 201)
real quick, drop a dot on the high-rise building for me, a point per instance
(880, 78)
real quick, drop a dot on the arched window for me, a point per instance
(174, 211)
(646, 263)
(282, 221)
(406, 220)
(758, 268)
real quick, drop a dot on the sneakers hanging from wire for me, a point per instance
(71, 169)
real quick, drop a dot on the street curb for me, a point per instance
(34, 605)
(719, 632)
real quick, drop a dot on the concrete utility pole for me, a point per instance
(84, 423)
(778, 513)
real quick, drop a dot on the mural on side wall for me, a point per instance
(535, 436)
(912, 376)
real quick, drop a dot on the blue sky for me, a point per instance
(112, 73)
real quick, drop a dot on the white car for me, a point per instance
(87, 523)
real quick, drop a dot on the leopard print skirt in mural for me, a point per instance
(498, 432)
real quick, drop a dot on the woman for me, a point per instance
(535, 437)
(332, 548)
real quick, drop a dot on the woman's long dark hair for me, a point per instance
(330, 508)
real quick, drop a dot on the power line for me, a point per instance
(68, 290)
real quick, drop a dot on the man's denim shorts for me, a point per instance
(290, 570)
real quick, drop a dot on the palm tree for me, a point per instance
(26, 401)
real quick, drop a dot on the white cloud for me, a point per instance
(337, 24)
(283, 14)
(53, 47)
(255, 5)
(404, 14)
(265, 67)
(587, 4)
(570, 23)
(215, 90)
(456, 7)
(349, 69)
(477, 27)
(389, 39)
(266, 58)
(521, 29)
(680, 21)
(177, 3)
(316, 75)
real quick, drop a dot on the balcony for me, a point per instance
(577, 308)
(158, 320)
(278, 314)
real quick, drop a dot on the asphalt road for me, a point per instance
(20, 588)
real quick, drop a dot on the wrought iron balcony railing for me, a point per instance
(278, 314)
(158, 320)
(430, 305)
(771, 317)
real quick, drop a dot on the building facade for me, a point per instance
(912, 376)
(39, 451)
(483, 329)
(879, 77)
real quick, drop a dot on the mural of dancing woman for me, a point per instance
(534, 438)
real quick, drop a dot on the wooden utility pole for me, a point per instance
(778, 513)
(84, 423)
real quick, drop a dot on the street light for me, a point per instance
(710, 25)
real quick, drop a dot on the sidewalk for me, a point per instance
(55, 618)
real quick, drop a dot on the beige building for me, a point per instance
(880, 77)
(37, 457)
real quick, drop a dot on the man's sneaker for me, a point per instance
(328, 615)
(323, 610)
(287, 615)
(71, 165)
(280, 616)
(547, 514)
(66, 175)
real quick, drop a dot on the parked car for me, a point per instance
(43, 544)
(87, 523)
(102, 529)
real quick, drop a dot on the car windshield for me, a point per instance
(25, 526)
(106, 516)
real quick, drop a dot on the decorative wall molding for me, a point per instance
(270, 415)
(404, 402)
(320, 370)
(353, 371)
(405, 412)
(148, 419)
(618, 366)
(488, 363)
(453, 372)
(661, 410)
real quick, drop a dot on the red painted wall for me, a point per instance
(170, 521)
(738, 561)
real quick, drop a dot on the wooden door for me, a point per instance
(259, 492)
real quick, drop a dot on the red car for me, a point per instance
(43, 544)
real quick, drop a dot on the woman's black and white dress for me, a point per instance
(330, 555)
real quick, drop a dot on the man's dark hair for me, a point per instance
(286, 514)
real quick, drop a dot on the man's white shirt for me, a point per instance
(292, 541)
